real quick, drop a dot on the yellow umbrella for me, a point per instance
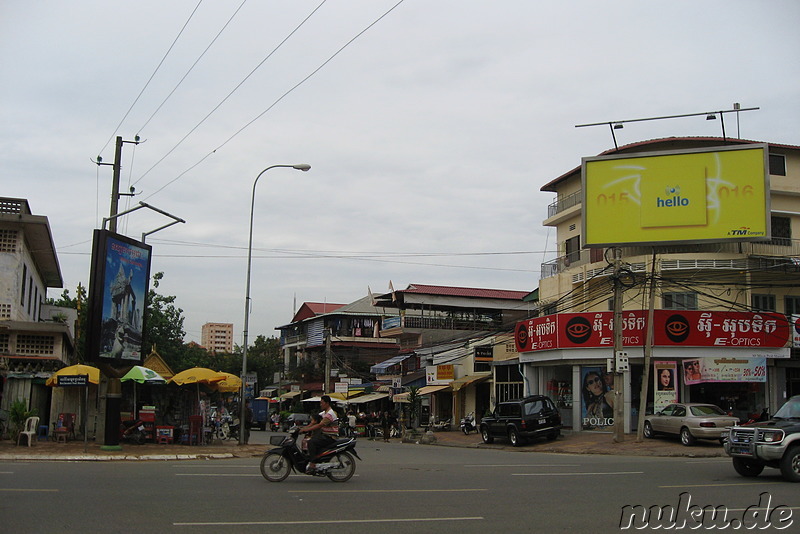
(72, 370)
(231, 383)
(197, 375)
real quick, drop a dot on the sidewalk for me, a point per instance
(568, 443)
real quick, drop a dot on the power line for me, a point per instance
(151, 77)
(236, 88)
(279, 99)
(193, 65)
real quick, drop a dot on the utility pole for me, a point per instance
(648, 351)
(113, 386)
(616, 363)
(327, 385)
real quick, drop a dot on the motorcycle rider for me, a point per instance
(326, 425)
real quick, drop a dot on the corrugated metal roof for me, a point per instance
(465, 292)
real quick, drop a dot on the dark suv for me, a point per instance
(299, 419)
(519, 420)
(773, 443)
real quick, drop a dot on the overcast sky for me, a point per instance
(430, 127)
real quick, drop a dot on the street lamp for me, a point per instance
(242, 408)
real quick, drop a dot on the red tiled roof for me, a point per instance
(312, 309)
(465, 292)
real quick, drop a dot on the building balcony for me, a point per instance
(777, 251)
(413, 324)
(564, 203)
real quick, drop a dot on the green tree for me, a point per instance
(77, 303)
(163, 327)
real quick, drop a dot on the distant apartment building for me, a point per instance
(217, 337)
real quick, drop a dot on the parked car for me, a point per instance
(519, 420)
(299, 419)
(690, 421)
(773, 443)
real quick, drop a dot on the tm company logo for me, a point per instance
(673, 200)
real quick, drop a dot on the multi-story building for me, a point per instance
(217, 337)
(696, 284)
(458, 334)
(35, 339)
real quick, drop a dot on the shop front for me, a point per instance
(725, 358)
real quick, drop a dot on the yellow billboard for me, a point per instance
(690, 196)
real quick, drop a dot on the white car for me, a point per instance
(690, 421)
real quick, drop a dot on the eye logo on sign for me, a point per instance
(677, 328)
(579, 330)
(522, 336)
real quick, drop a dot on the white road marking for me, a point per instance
(450, 490)
(25, 489)
(721, 485)
(329, 522)
(523, 465)
(575, 474)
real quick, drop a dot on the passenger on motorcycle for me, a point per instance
(327, 424)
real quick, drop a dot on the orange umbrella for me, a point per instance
(231, 383)
(197, 375)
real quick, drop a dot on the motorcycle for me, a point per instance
(335, 461)
(133, 432)
(468, 424)
(437, 425)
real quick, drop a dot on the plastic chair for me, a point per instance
(30, 430)
(195, 429)
(42, 433)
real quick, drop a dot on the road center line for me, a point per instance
(721, 485)
(328, 522)
(25, 489)
(523, 465)
(454, 490)
(575, 474)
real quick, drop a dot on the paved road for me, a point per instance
(397, 488)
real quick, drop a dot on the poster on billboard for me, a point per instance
(119, 281)
(712, 194)
(597, 396)
(700, 370)
(665, 390)
(795, 322)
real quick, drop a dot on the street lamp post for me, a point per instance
(242, 407)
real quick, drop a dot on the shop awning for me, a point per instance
(427, 390)
(380, 368)
(290, 395)
(369, 397)
(468, 380)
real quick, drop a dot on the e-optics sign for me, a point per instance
(688, 328)
(703, 195)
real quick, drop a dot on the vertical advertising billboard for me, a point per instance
(118, 285)
(692, 196)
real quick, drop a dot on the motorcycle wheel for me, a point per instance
(275, 467)
(223, 432)
(346, 469)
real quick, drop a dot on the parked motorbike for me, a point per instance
(468, 424)
(335, 461)
(133, 432)
(437, 425)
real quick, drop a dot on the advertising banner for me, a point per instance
(795, 331)
(440, 375)
(119, 282)
(597, 398)
(665, 384)
(688, 328)
(699, 370)
(702, 195)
